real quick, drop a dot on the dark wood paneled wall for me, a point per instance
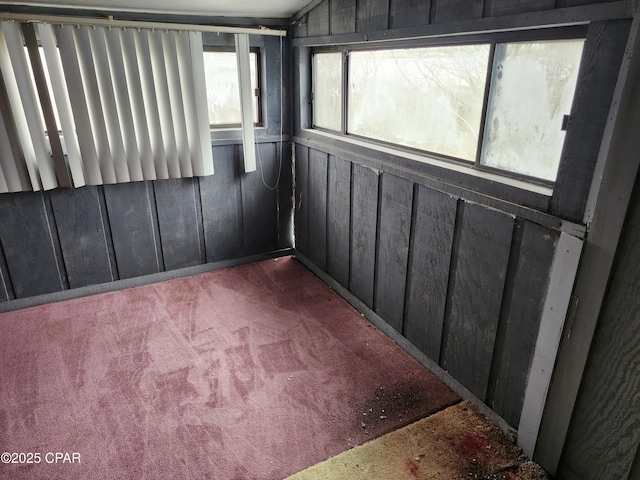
(604, 435)
(70, 238)
(444, 257)
(463, 282)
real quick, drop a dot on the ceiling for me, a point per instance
(225, 8)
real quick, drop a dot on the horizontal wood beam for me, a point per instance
(561, 17)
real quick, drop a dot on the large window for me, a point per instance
(223, 97)
(495, 105)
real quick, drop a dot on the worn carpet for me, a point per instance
(254, 372)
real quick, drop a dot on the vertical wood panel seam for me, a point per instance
(457, 230)
(350, 224)
(376, 247)
(197, 205)
(108, 236)
(153, 225)
(6, 279)
(237, 170)
(62, 271)
(414, 213)
(326, 209)
(156, 222)
(505, 309)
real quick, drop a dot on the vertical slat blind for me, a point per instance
(131, 105)
(246, 101)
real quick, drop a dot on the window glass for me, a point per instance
(327, 87)
(532, 87)
(223, 95)
(426, 98)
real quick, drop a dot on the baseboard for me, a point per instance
(34, 301)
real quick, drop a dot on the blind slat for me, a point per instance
(92, 97)
(54, 66)
(176, 93)
(136, 100)
(73, 78)
(29, 98)
(246, 101)
(14, 170)
(164, 105)
(150, 103)
(10, 47)
(107, 99)
(61, 172)
(115, 53)
(203, 160)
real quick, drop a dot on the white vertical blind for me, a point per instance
(201, 144)
(246, 101)
(131, 103)
(123, 119)
(59, 87)
(71, 75)
(25, 109)
(159, 70)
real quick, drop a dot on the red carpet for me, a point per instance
(254, 372)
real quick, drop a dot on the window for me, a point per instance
(223, 97)
(493, 105)
(328, 90)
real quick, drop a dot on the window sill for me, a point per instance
(433, 162)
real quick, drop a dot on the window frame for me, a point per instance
(574, 32)
(259, 84)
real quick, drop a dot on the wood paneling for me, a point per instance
(177, 217)
(495, 8)
(222, 206)
(604, 435)
(82, 236)
(343, 16)
(432, 238)
(285, 197)
(393, 248)
(602, 57)
(260, 203)
(318, 208)
(318, 20)
(364, 215)
(476, 295)
(453, 10)
(132, 229)
(406, 13)
(526, 296)
(302, 199)
(338, 219)
(26, 234)
(372, 15)
(6, 289)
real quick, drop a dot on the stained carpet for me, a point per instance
(254, 372)
(454, 444)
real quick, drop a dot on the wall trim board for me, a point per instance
(37, 300)
(560, 17)
(233, 137)
(616, 172)
(408, 347)
(383, 162)
(562, 276)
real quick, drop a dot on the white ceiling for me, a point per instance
(226, 8)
